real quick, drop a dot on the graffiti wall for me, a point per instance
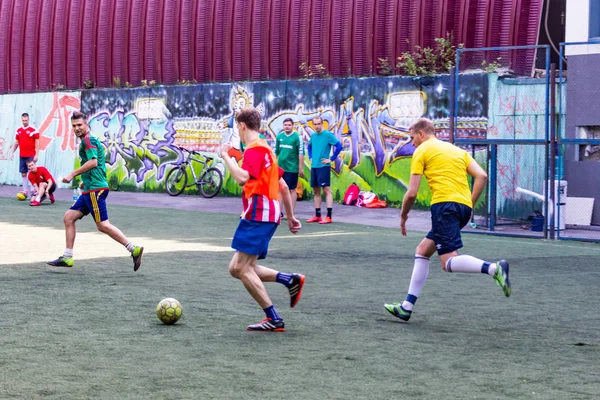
(146, 131)
(49, 113)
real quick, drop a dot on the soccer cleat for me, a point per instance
(136, 254)
(326, 220)
(268, 325)
(34, 203)
(51, 197)
(501, 277)
(314, 219)
(296, 289)
(397, 310)
(62, 261)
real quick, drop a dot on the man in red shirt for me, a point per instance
(28, 141)
(263, 188)
(43, 183)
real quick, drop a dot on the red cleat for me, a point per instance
(326, 220)
(314, 219)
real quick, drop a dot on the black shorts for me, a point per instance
(291, 179)
(320, 177)
(447, 219)
(52, 188)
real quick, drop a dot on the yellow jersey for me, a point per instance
(445, 167)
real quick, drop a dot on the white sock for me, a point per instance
(470, 265)
(130, 246)
(37, 198)
(68, 253)
(25, 184)
(417, 281)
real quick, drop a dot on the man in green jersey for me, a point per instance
(289, 150)
(93, 198)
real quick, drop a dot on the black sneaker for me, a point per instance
(136, 254)
(295, 289)
(62, 261)
(268, 325)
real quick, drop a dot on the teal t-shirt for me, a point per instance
(321, 144)
(90, 148)
(288, 148)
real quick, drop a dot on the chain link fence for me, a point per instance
(577, 145)
(514, 147)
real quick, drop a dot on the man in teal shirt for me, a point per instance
(93, 198)
(319, 151)
(289, 149)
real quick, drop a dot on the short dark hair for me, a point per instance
(250, 116)
(423, 124)
(24, 115)
(78, 115)
(288, 120)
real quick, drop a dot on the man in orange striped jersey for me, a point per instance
(263, 186)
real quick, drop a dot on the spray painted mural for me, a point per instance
(144, 130)
(49, 113)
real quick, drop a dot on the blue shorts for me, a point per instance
(320, 177)
(23, 164)
(93, 202)
(447, 219)
(291, 179)
(253, 237)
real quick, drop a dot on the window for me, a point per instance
(594, 29)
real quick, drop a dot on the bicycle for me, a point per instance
(209, 184)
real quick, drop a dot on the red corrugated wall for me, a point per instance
(70, 43)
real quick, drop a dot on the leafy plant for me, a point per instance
(128, 85)
(313, 71)
(384, 67)
(117, 81)
(491, 67)
(429, 61)
(88, 83)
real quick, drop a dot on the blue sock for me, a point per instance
(407, 305)
(485, 268)
(284, 278)
(272, 313)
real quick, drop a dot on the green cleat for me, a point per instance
(62, 262)
(501, 277)
(396, 310)
(136, 254)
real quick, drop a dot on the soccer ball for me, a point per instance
(21, 196)
(169, 311)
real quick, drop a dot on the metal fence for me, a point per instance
(578, 142)
(515, 149)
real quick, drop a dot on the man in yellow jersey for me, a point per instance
(445, 167)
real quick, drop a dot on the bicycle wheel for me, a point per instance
(176, 181)
(210, 183)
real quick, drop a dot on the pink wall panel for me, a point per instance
(186, 27)
(45, 46)
(203, 41)
(73, 46)
(120, 41)
(362, 50)
(240, 56)
(59, 42)
(153, 41)
(17, 34)
(30, 46)
(135, 54)
(259, 43)
(298, 41)
(279, 31)
(340, 48)
(103, 50)
(320, 27)
(6, 8)
(170, 41)
(222, 40)
(384, 32)
(88, 42)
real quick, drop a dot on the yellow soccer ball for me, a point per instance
(169, 311)
(21, 196)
